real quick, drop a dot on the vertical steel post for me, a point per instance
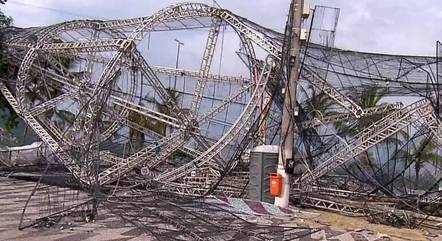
(438, 107)
(290, 109)
(179, 43)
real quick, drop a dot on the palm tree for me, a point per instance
(425, 151)
(175, 98)
(9, 69)
(369, 97)
(320, 105)
(11, 118)
(137, 137)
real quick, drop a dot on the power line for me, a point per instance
(54, 10)
(95, 17)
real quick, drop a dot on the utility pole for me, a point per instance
(179, 43)
(290, 110)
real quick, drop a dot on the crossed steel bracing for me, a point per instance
(172, 217)
(81, 84)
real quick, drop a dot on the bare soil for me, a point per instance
(355, 223)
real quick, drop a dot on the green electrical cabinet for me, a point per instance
(263, 161)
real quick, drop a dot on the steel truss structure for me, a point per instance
(172, 217)
(112, 116)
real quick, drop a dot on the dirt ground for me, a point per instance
(356, 223)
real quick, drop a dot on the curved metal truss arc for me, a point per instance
(109, 72)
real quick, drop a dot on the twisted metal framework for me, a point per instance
(101, 83)
(91, 78)
(171, 217)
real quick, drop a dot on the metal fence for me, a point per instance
(26, 155)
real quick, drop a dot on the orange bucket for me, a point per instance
(275, 184)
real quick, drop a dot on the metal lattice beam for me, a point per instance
(209, 51)
(372, 135)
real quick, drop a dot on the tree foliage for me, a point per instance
(136, 136)
(11, 118)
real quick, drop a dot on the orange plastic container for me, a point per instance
(275, 184)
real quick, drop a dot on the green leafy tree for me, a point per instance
(320, 105)
(368, 98)
(11, 118)
(422, 152)
(136, 136)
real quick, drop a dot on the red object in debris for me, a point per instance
(275, 184)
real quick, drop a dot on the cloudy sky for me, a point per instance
(390, 26)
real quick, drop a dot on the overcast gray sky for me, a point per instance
(390, 26)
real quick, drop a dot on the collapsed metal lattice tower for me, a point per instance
(81, 86)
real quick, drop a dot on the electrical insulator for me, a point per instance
(303, 35)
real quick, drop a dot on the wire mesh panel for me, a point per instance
(438, 75)
(171, 217)
(54, 197)
(103, 97)
(322, 26)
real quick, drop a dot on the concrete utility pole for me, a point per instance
(290, 107)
